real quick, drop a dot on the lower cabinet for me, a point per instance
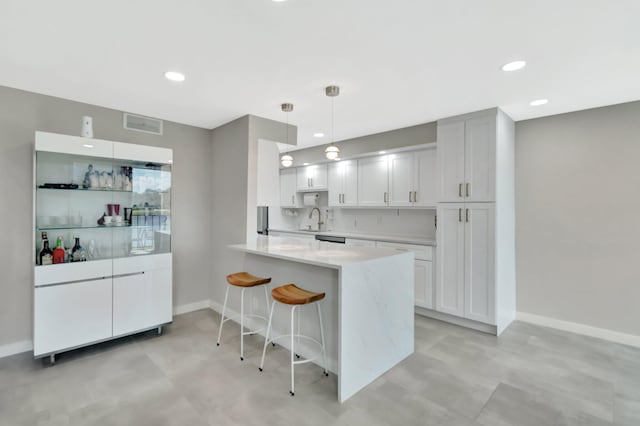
(71, 315)
(423, 271)
(141, 301)
(68, 314)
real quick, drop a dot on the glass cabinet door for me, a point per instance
(116, 208)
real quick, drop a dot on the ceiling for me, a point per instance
(399, 63)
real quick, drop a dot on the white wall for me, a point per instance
(577, 217)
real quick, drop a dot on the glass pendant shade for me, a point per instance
(332, 152)
(286, 160)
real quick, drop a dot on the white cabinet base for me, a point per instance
(462, 322)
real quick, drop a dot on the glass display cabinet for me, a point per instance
(102, 241)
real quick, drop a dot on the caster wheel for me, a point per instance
(260, 368)
(297, 356)
(291, 393)
(218, 344)
(241, 359)
(326, 374)
(273, 344)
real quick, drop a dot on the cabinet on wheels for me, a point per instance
(106, 208)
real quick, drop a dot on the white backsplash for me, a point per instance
(393, 222)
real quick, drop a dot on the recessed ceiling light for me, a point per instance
(539, 102)
(87, 145)
(382, 152)
(305, 164)
(514, 66)
(318, 135)
(174, 76)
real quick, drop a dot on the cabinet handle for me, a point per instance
(466, 215)
(460, 190)
(468, 190)
(293, 201)
(410, 196)
(341, 198)
(459, 215)
(312, 182)
(385, 197)
(415, 196)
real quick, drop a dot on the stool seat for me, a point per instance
(245, 279)
(290, 294)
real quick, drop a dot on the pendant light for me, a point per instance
(287, 160)
(332, 152)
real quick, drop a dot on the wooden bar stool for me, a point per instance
(245, 281)
(295, 297)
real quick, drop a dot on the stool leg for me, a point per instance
(266, 338)
(324, 353)
(293, 310)
(224, 308)
(298, 319)
(266, 298)
(242, 324)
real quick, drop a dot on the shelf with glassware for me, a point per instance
(104, 210)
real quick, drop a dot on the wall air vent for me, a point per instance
(140, 123)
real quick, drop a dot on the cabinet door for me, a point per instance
(480, 159)
(424, 284)
(288, 187)
(350, 183)
(318, 176)
(335, 183)
(373, 181)
(304, 177)
(141, 301)
(71, 315)
(450, 258)
(450, 153)
(425, 178)
(479, 262)
(401, 175)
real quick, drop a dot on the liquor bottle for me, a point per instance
(46, 255)
(58, 252)
(78, 254)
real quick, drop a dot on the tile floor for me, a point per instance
(529, 376)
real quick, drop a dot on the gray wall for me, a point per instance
(577, 217)
(407, 136)
(21, 114)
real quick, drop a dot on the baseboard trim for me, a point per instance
(586, 330)
(462, 322)
(15, 348)
(190, 307)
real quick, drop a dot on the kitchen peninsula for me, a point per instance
(368, 309)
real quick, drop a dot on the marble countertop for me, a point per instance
(312, 252)
(372, 237)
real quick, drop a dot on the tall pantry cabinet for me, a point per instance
(475, 274)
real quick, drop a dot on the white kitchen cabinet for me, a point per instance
(412, 179)
(288, 195)
(343, 183)
(466, 259)
(423, 275)
(306, 236)
(401, 179)
(141, 301)
(467, 159)
(310, 178)
(71, 315)
(423, 270)
(74, 300)
(373, 181)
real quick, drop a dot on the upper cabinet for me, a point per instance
(312, 178)
(343, 183)
(467, 159)
(373, 182)
(288, 196)
(412, 179)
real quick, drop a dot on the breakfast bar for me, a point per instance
(368, 309)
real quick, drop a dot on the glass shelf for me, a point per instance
(55, 227)
(83, 190)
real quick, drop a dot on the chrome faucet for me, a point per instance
(320, 222)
